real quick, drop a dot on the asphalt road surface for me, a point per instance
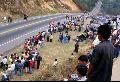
(14, 34)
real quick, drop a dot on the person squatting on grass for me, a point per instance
(79, 73)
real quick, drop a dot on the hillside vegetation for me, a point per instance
(111, 7)
(86, 4)
(35, 7)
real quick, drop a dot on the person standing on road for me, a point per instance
(101, 61)
(4, 19)
(25, 17)
(9, 19)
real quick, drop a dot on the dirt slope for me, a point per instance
(35, 7)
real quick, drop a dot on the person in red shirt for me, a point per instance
(30, 66)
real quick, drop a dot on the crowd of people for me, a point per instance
(16, 64)
(95, 66)
(30, 58)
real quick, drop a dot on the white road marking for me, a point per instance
(29, 32)
(29, 25)
(33, 18)
(23, 36)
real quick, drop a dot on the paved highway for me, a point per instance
(14, 34)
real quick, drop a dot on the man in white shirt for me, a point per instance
(12, 66)
(4, 61)
(5, 19)
(96, 41)
(55, 63)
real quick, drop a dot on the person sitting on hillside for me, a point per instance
(80, 75)
(5, 77)
(51, 38)
(71, 57)
(55, 63)
(82, 72)
(83, 59)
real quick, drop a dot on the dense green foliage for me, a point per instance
(111, 7)
(86, 4)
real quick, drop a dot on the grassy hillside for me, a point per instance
(16, 8)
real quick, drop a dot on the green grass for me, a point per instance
(50, 52)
